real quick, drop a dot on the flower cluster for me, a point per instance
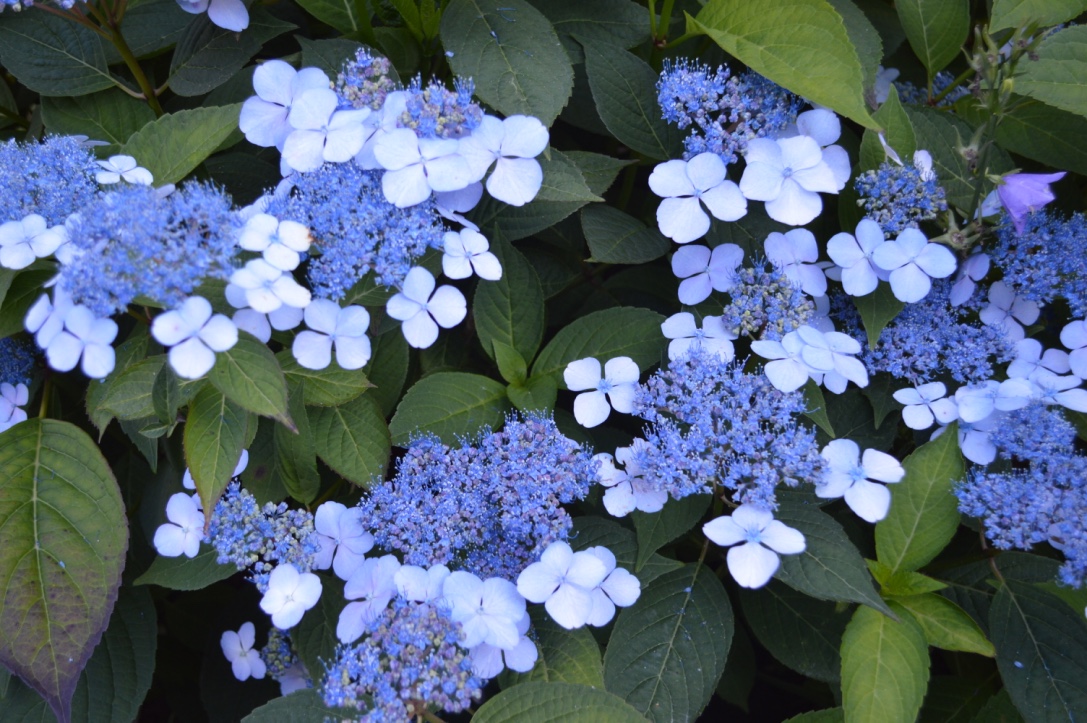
(1047, 260)
(435, 112)
(898, 197)
(764, 303)
(364, 82)
(488, 506)
(53, 178)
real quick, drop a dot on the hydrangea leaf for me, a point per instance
(340, 14)
(302, 706)
(54, 56)
(598, 170)
(131, 350)
(511, 51)
(111, 115)
(315, 636)
(625, 91)
(352, 439)
(803, 633)
(936, 29)
(1013, 13)
(518, 222)
(65, 536)
(388, 369)
(537, 393)
(897, 131)
(567, 702)
(23, 291)
(215, 432)
(129, 394)
(207, 56)
(511, 309)
(328, 387)
(296, 451)
(183, 573)
(1041, 651)
(830, 568)
(865, 39)
(621, 23)
(667, 651)
(149, 27)
(968, 586)
(1038, 131)
(249, 375)
(827, 715)
(945, 624)
(449, 405)
(1056, 77)
(625, 331)
(117, 676)
(801, 45)
(659, 528)
(563, 181)
(924, 512)
(615, 237)
(885, 667)
(565, 656)
(172, 146)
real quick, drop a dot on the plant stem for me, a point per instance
(47, 391)
(118, 41)
(954, 84)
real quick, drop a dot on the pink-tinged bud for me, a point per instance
(1023, 193)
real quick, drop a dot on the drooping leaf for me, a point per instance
(511, 309)
(511, 51)
(449, 404)
(936, 29)
(65, 536)
(1056, 77)
(184, 573)
(924, 513)
(53, 55)
(830, 568)
(668, 650)
(565, 702)
(111, 116)
(352, 439)
(625, 331)
(214, 438)
(1041, 650)
(173, 145)
(801, 45)
(615, 237)
(885, 667)
(625, 91)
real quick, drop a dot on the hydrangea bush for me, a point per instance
(518, 360)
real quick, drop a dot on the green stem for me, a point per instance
(680, 40)
(983, 164)
(15, 117)
(366, 24)
(666, 19)
(954, 84)
(47, 391)
(127, 55)
(653, 19)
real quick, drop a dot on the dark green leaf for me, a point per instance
(897, 130)
(1056, 77)
(598, 170)
(24, 290)
(606, 22)
(151, 26)
(511, 309)
(1042, 133)
(340, 14)
(352, 439)
(315, 637)
(565, 656)
(449, 405)
(183, 573)
(214, 438)
(1014, 13)
(389, 369)
(249, 375)
(562, 180)
(296, 452)
(301, 706)
(111, 115)
(537, 393)
(65, 536)
(864, 38)
(659, 528)
(877, 310)
(53, 55)
(129, 394)
(625, 331)
(173, 145)
(617, 238)
(328, 387)
(565, 702)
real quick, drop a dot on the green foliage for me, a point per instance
(54, 56)
(936, 29)
(1056, 77)
(173, 145)
(558, 702)
(111, 115)
(615, 237)
(565, 656)
(449, 405)
(214, 440)
(183, 573)
(659, 528)
(1013, 13)
(510, 311)
(352, 439)
(249, 375)
(605, 335)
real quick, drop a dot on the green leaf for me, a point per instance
(511, 365)
(668, 650)
(328, 387)
(1041, 651)
(802, 45)
(957, 698)
(352, 439)
(173, 145)
(53, 55)
(618, 238)
(129, 395)
(183, 573)
(903, 582)
(131, 350)
(620, 23)
(625, 91)
(65, 536)
(564, 702)
(897, 130)
(562, 180)
(111, 115)
(854, 418)
(624, 331)
(117, 676)
(880, 392)
(166, 396)
(827, 715)
(877, 310)
(565, 656)
(449, 405)
(388, 369)
(518, 222)
(151, 26)
(315, 636)
(968, 586)
(24, 290)
(510, 310)
(885, 668)
(659, 528)
(537, 393)
(945, 624)
(249, 375)
(598, 170)
(998, 709)
(340, 14)
(924, 513)
(1015, 13)
(207, 56)
(214, 439)
(865, 39)
(1039, 132)
(296, 452)
(817, 407)
(301, 706)
(936, 29)
(511, 51)
(1057, 76)
(803, 633)
(830, 568)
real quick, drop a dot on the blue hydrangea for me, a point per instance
(765, 304)
(17, 361)
(132, 242)
(433, 111)
(54, 179)
(899, 197)
(723, 111)
(408, 661)
(1048, 260)
(278, 654)
(258, 538)
(364, 82)
(489, 506)
(930, 339)
(356, 230)
(1036, 491)
(918, 95)
(714, 424)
